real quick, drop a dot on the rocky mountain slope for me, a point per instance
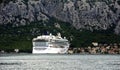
(82, 14)
(81, 21)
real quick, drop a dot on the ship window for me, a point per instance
(41, 44)
(39, 48)
(61, 42)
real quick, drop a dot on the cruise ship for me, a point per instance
(50, 44)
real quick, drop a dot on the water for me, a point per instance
(59, 62)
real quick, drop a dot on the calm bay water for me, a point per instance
(59, 62)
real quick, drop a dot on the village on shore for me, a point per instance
(97, 48)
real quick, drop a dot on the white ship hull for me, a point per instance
(50, 50)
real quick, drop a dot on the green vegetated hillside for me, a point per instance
(20, 37)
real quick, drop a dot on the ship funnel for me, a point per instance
(50, 34)
(58, 34)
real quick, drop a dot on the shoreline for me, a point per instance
(2, 54)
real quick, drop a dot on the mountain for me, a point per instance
(82, 14)
(82, 21)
